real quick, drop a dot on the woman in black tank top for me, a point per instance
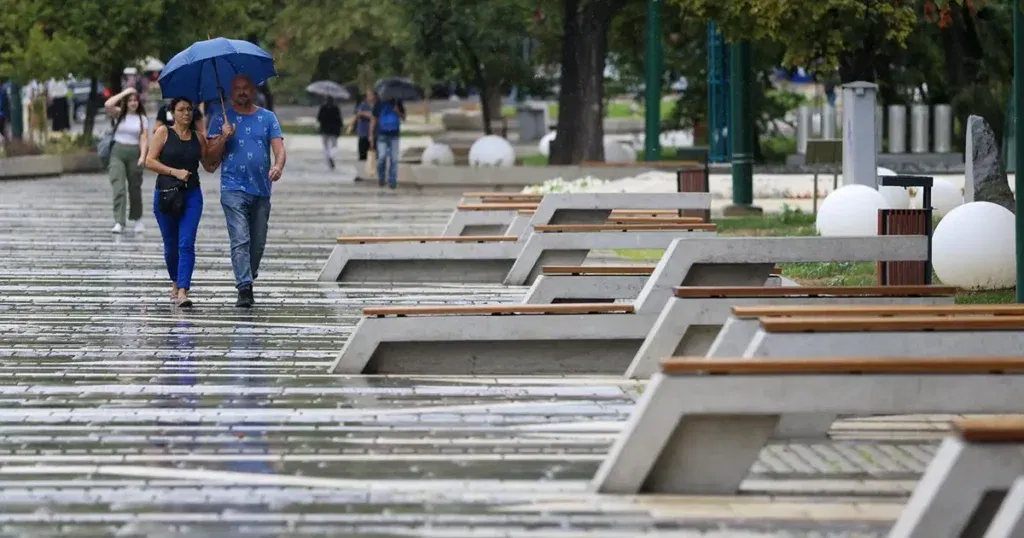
(175, 154)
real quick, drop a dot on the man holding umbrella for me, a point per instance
(250, 135)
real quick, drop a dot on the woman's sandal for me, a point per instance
(182, 302)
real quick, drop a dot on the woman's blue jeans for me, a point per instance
(179, 234)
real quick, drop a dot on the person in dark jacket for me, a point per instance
(329, 118)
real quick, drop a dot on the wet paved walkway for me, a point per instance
(122, 416)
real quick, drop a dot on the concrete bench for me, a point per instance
(491, 262)
(725, 258)
(694, 316)
(521, 222)
(973, 487)
(504, 217)
(921, 331)
(701, 423)
(740, 331)
(600, 343)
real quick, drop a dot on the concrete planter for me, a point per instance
(31, 166)
(81, 163)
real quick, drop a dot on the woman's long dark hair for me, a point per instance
(123, 106)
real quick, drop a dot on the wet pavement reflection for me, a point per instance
(120, 415)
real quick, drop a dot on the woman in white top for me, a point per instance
(127, 157)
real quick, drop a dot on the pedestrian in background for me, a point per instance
(127, 157)
(329, 118)
(386, 127)
(364, 117)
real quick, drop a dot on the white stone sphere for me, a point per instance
(851, 210)
(973, 247)
(438, 155)
(617, 152)
(545, 143)
(898, 197)
(492, 150)
(945, 197)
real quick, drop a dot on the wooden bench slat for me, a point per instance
(810, 291)
(511, 206)
(876, 310)
(655, 220)
(645, 213)
(527, 212)
(991, 430)
(562, 308)
(504, 196)
(569, 228)
(427, 239)
(842, 365)
(827, 324)
(577, 270)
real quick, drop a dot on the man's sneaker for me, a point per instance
(138, 227)
(117, 228)
(245, 299)
(330, 162)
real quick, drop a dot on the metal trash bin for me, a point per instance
(533, 121)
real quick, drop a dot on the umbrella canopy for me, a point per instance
(329, 88)
(400, 89)
(199, 71)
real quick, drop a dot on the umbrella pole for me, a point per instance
(220, 92)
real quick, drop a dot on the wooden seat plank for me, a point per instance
(504, 196)
(655, 220)
(810, 291)
(880, 310)
(841, 365)
(991, 430)
(826, 324)
(511, 206)
(644, 213)
(527, 212)
(497, 309)
(569, 228)
(426, 239)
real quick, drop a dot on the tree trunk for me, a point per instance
(90, 110)
(490, 101)
(580, 132)
(269, 95)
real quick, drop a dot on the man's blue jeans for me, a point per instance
(387, 149)
(247, 217)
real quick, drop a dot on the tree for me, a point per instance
(481, 39)
(580, 134)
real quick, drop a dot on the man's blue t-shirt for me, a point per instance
(246, 163)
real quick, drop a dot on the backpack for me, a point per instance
(388, 122)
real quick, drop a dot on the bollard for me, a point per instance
(897, 129)
(879, 116)
(803, 128)
(828, 122)
(919, 128)
(943, 136)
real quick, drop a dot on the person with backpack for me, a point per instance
(386, 126)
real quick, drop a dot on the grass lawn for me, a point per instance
(796, 223)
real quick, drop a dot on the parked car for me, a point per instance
(80, 95)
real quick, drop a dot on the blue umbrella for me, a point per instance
(201, 71)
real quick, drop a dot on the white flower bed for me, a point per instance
(647, 182)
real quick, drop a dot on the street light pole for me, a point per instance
(741, 132)
(652, 81)
(1018, 103)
